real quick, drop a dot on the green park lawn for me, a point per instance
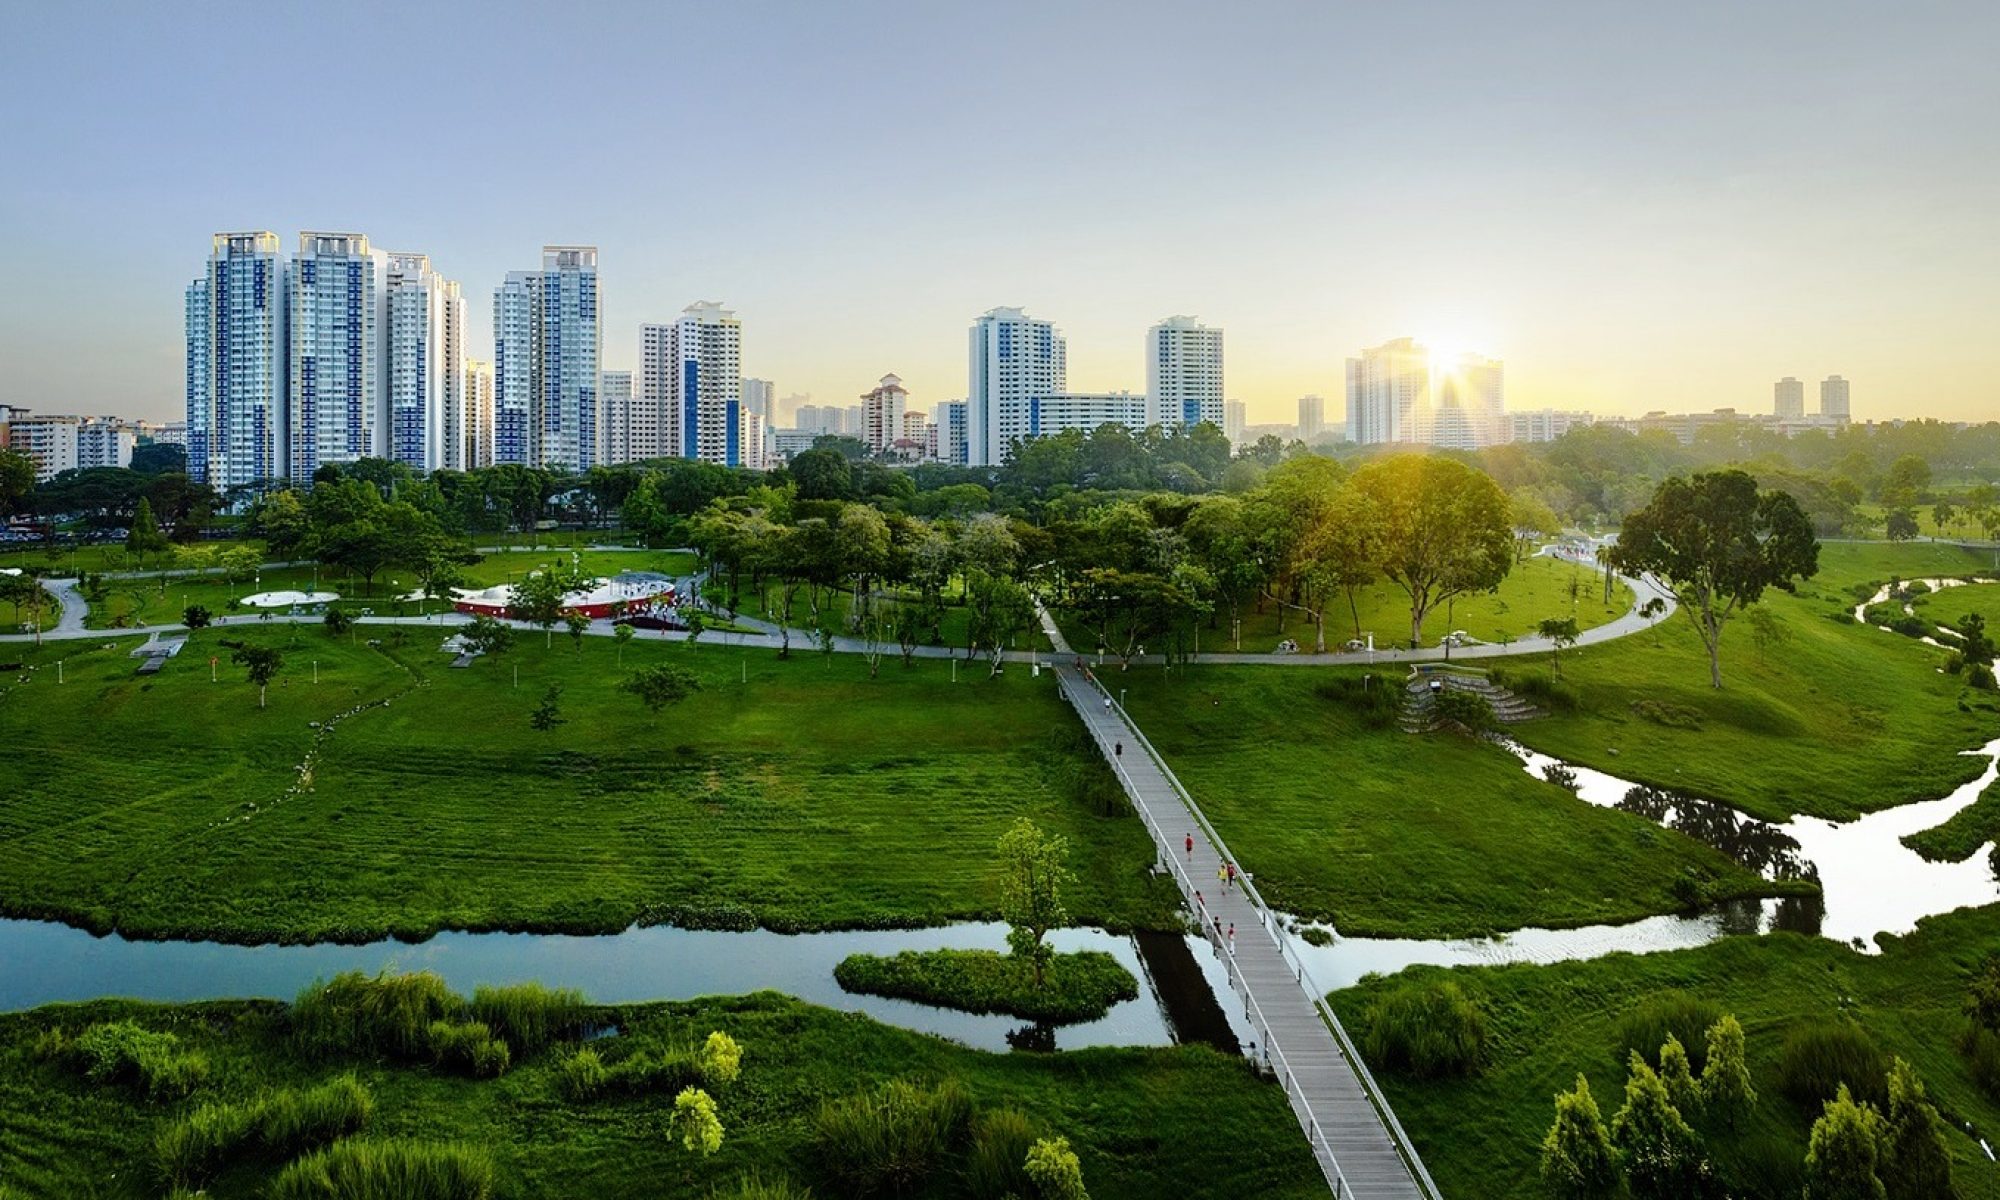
(1393, 834)
(808, 796)
(1183, 1121)
(1480, 1136)
(162, 600)
(1836, 720)
(1535, 589)
(1948, 606)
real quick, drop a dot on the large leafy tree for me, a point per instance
(1716, 542)
(261, 664)
(1447, 529)
(1660, 1152)
(1916, 1159)
(17, 481)
(1035, 868)
(1577, 1162)
(1844, 1152)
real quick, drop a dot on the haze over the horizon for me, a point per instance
(1636, 208)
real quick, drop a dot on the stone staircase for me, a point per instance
(1508, 708)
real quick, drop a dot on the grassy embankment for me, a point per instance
(810, 796)
(162, 600)
(1080, 986)
(1392, 834)
(1535, 589)
(1181, 1120)
(1835, 720)
(1481, 1136)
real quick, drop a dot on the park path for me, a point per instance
(1353, 1133)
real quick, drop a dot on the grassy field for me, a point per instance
(808, 796)
(1535, 589)
(1181, 1121)
(163, 600)
(1389, 833)
(1480, 1136)
(1948, 605)
(1836, 720)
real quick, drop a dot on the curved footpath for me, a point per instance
(75, 610)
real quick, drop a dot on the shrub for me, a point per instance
(1820, 1056)
(1469, 711)
(695, 1122)
(1982, 1053)
(363, 1170)
(1673, 716)
(126, 1052)
(468, 1046)
(1077, 987)
(1980, 676)
(582, 1076)
(755, 1187)
(1540, 688)
(356, 1013)
(1371, 701)
(1055, 1170)
(281, 1124)
(996, 1166)
(1674, 1015)
(721, 1059)
(531, 1016)
(1426, 1030)
(892, 1138)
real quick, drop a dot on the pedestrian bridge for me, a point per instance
(1353, 1133)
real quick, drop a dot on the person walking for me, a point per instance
(1118, 748)
(1190, 847)
(1199, 903)
(1232, 939)
(1232, 874)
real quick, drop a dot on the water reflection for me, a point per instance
(1757, 845)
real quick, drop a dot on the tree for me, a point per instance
(1054, 1170)
(1726, 1090)
(1652, 610)
(336, 621)
(1659, 1151)
(1446, 529)
(1973, 644)
(1577, 1162)
(1844, 1152)
(1678, 1077)
(1916, 1159)
(25, 590)
(1908, 478)
(660, 686)
(484, 635)
(822, 474)
(622, 633)
(144, 537)
(1562, 634)
(194, 616)
(1901, 525)
(548, 713)
(1716, 543)
(1035, 870)
(1001, 610)
(1767, 632)
(261, 664)
(579, 624)
(695, 1123)
(538, 599)
(17, 481)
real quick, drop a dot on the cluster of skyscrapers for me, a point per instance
(343, 351)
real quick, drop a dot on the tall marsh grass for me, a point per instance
(278, 1125)
(1429, 1030)
(892, 1139)
(389, 1170)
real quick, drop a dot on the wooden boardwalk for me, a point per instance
(1353, 1133)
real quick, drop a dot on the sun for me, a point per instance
(1447, 349)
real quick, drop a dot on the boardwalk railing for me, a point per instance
(1272, 924)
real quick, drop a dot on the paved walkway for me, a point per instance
(1353, 1133)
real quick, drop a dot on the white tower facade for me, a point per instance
(1388, 390)
(1012, 359)
(338, 321)
(1788, 398)
(237, 340)
(425, 345)
(478, 448)
(1833, 398)
(614, 388)
(1184, 373)
(569, 423)
(515, 345)
(691, 376)
(882, 411)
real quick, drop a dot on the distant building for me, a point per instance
(1183, 373)
(1833, 399)
(1012, 359)
(614, 389)
(547, 343)
(1468, 408)
(1312, 417)
(1545, 425)
(478, 426)
(336, 313)
(1388, 389)
(787, 444)
(756, 398)
(1788, 398)
(1235, 414)
(425, 350)
(949, 433)
(1085, 411)
(104, 442)
(236, 379)
(882, 412)
(691, 374)
(57, 443)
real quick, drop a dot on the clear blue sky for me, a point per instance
(1637, 206)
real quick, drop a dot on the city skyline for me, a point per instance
(1669, 222)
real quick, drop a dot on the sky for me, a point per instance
(1635, 206)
